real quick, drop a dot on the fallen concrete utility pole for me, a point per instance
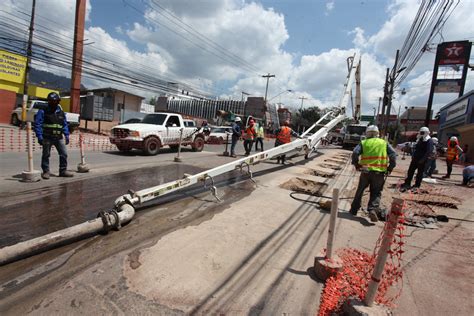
(124, 205)
(105, 220)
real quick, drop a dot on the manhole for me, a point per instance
(305, 186)
(329, 166)
(320, 173)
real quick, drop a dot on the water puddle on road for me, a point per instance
(36, 213)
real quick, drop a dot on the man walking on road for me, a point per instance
(50, 127)
(236, 133)
(283, 136)
(259, 137)
(249, 137)
(452, 155)
(377, 159)
(423, 149)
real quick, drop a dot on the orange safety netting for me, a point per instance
(353, 280)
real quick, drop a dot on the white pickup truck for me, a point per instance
(31, 110)
(155, 131)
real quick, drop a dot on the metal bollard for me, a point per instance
(226, 152)
(178, 158)
(82, 167)
(395, 211)
(30, 175)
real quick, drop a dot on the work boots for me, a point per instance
(45, 175)
(66, 174)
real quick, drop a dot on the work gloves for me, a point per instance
(67, 140)
(40, 141)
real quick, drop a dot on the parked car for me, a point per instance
(155, 131)
(219, 134)
(33, 108)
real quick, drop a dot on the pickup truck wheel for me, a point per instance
(123, 148)
(15, 121)
(198, 144)
(151, 146)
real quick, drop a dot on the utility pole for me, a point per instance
(377, 121)
(30, 175)
(268, 76)
(77, 56)
(302, 99)
(390, 94)
(384, 103)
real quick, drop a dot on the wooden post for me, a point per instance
(395, 211)
(332, 223)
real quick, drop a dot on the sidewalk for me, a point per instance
(250, 254)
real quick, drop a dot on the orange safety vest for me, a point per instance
(250, 133)
(452, 153)
(284, 136)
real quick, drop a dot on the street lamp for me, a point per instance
(279, 94)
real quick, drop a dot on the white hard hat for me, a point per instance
(372, 128)
(238, 119)
(425, 129)
(453, 139)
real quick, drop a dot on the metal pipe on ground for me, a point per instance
(34, 246)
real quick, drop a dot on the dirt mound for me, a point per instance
(320, 173)
(330, 166)
(305, 186)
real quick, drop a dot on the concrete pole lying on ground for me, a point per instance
(178, 158)
(82, 167)
(396, 210)
(326, 263)
(43, 243)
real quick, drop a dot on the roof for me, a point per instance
(110, 89)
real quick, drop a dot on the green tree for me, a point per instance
(304, 118)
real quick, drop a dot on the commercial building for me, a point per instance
(457, 119)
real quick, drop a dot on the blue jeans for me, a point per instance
(430, 167)
(60, 147)
(233, 144)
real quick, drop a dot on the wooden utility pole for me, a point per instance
(302, 99)
(77, 55)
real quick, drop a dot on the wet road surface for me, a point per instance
(34, 213)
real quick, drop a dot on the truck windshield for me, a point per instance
(359, 130)
(157, 119)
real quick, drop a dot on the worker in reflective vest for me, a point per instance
(452, 155)
(259, 137)
(375, 158)
(51, 129)
(283, 136)
(249, 137)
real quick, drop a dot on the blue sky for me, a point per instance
(304, 43)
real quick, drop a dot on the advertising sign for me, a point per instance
(457, 110)
(12, 67)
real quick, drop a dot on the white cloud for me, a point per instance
(329, 7)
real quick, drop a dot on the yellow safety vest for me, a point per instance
(374, 154)
(260, 132)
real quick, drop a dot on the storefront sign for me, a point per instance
(12, 67)
(457, 110)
